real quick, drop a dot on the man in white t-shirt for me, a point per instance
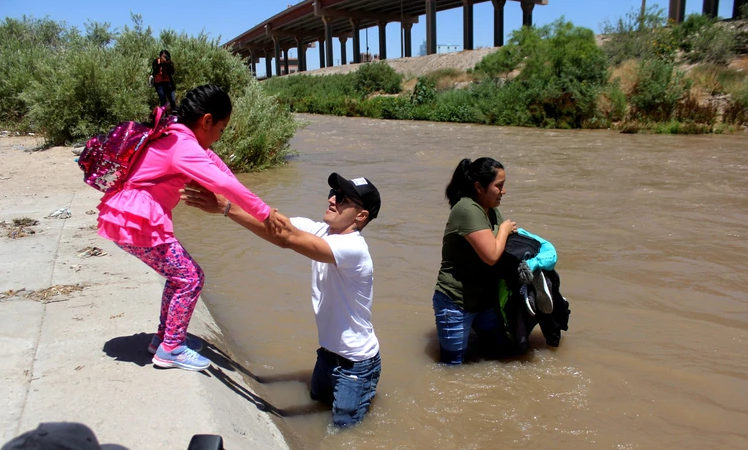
(348, 363)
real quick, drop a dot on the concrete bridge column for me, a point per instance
(252, 64)
(321, 42)
(736, 8)
(711, 7)
(328, 41)
(382, 40)
(268, 65)
(498, 22)
(343, 59)
(277, 53)
(677, 11)
(355, 24)
(408, 51)
(527, 13)
(301, 52)
(467, 24)
(430, 27)
(285, 60)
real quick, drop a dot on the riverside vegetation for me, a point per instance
(646, 74)
(69, 84)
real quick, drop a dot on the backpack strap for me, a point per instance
(158, 113)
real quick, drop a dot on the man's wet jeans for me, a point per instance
(453, 326)
(348, 385)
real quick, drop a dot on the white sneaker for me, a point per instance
(543, 299)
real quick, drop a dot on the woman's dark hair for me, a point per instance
(205, 99)
(462, 184)
(165, 53)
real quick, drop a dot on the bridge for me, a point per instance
(321, 21)
(677, 9)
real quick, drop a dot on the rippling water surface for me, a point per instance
(652, 236)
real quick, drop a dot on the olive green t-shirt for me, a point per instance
(463, 276)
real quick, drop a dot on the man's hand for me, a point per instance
(197, 196)
(276, 223)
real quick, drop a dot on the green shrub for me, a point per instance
(26, 46)
(396, 108)
(658, 89)
(737, 111)
(690, 27)
(92, 90)
(639, 36)
(501, 62)
(424, 91)
(617, 102)
(259, 132)
(712, 43)
(200, 60)
(296, 87)
(502, 104)
(377, 77)
(675, 127)
(70, 85)
(562, 72)
(456, 106)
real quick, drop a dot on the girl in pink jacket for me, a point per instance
(138, 217)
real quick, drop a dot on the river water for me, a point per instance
(652, 237)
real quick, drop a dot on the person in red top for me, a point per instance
(162, 70)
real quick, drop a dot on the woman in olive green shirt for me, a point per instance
(474, 239)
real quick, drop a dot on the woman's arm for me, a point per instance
(488, 247)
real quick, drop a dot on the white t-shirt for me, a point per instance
(342, 293)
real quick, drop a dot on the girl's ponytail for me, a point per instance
(467, 173)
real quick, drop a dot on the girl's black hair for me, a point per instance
(462, 184)
(205, 99)
(166, 53)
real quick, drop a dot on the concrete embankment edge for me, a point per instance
(81, 356)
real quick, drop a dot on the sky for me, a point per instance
(226, 19)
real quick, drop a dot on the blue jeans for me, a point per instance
(164, 90)
(453, 326)
(348, 385)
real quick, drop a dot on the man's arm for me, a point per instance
(288, 236)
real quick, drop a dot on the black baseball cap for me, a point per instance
(359, 188)
(58, 435)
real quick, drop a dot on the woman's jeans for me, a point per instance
(348, 385)
(453, 326)
(164, 90)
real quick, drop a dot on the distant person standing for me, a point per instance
(163, 79)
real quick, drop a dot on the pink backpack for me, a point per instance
(106, 160)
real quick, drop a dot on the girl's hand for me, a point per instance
(274, 224)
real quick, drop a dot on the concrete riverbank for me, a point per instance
(76, 317)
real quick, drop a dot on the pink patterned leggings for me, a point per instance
(184, 282)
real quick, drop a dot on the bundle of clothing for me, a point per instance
(529, 293)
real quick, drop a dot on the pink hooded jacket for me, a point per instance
(140, 213)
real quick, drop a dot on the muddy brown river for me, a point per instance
(652, 237)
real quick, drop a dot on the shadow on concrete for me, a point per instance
(223, 362)
(132, 349)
